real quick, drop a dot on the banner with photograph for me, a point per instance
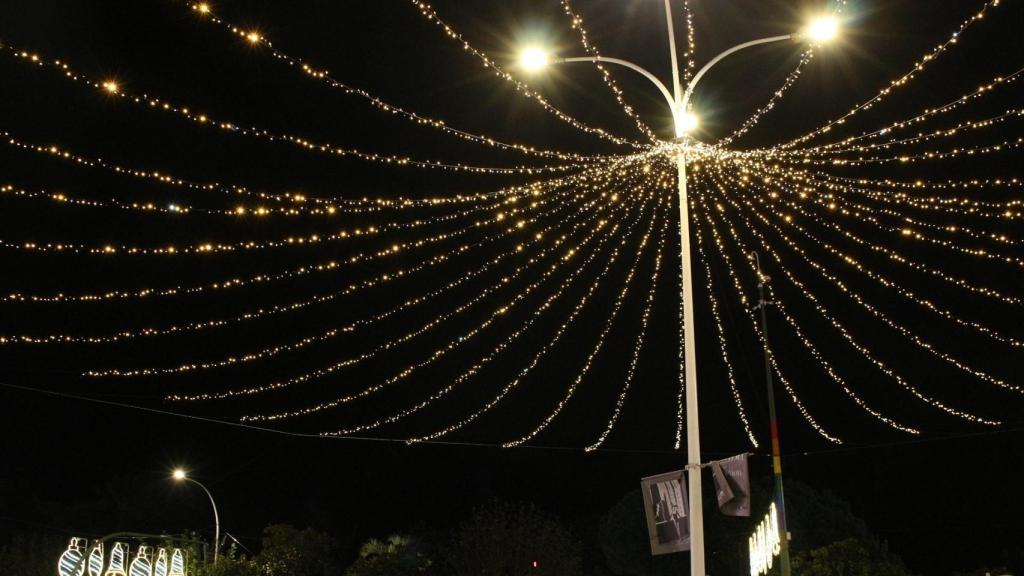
(732, 485)
(667, 511)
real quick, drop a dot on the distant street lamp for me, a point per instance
(179, 475)
(817, 31)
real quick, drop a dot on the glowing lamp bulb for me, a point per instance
(203, 8)
(688, 123)
(253, 37)
(179, 474)
(533, 59)
(110, 86)
(823, 29)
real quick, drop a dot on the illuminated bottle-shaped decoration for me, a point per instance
(116, 566)
(177, 563)
(72, 561)
(142, 565)
(160, 567)
(95, 563)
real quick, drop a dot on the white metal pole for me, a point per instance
(690, 381)
(693, 469)
(216, 520)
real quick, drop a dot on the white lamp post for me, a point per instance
(179, 475)
(533, 59)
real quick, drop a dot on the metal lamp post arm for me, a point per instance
(685, 104)
(661, 86)
(216, 519)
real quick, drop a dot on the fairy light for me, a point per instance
(907, 333)
(899, 82)
(960, 206)
(264, 312)
(576, 22)
(928, 113)
(807, 342)
(681, 354)
(261, 278)
(863, 212)
(353, 326)
(690, 56)
(167, 179)
(430, 14)
(583, 210)
(776, 369)
(638, 345)
(755, 118)
(255, 279)
(741, 410)
(187, 113)
(494, 353)
(206, 248)
(895, 256)
(549, 344)
(851, 261)
(326, 206)
(585, 222)
(841, 329)
(319, 74)
(866, 213)
(585, 369)
(499, 312)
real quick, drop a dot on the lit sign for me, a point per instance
(116, 566)
(80, 556)
(765, 543)
(160, 569)
(142, 565)
(177, 563)
(96, 560)
(72, 561)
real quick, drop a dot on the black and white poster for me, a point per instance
(667, 511)
(732, 485)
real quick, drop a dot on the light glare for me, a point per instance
(179, 474)
(533, 59)
(688, 123)
(823, 29)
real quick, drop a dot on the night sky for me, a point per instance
(95, 456)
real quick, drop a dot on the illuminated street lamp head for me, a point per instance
(823, 29)
(533, 59)
(686, 123)
(179, 474)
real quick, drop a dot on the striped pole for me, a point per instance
(779, 497)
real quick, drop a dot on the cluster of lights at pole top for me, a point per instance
(818, 31)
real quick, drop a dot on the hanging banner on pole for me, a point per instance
(732, 485)
(667, 510)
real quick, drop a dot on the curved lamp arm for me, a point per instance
(661, 87)
(696, 77)
(216, 518)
